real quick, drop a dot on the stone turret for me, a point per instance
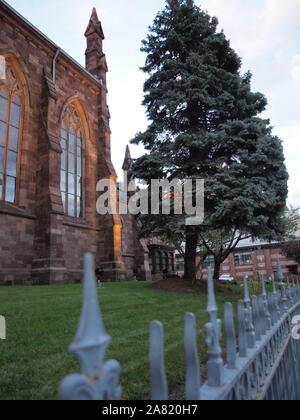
(96, 64)
(94, 53)
(127, 160)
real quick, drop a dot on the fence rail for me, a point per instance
(262, 357)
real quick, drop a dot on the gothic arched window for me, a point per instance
(11, 103)
(72, 162)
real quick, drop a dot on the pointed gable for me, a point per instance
(94, 25)
(127, 160)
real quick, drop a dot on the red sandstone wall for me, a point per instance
(42, 243)
(16, 249)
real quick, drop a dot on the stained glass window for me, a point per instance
(72, 163)
(10, 128)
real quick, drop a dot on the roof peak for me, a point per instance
(94, 25)
(127, 159)
(94, 15)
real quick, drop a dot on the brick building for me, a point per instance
(54, 148)
(252, 259)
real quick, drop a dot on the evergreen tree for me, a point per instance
(292, 250)
(204, 123)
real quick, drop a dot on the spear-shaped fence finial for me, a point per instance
(193, 375)
(243, 340)
(273, 284)
(277, 313)
(99, 380)
(215, 365)
(256, 318)
(281, 286)
(249, 320)
(159, 384)
(92, 341)
(265, 302)
(263, 285)
(279, 273)
(230, 336)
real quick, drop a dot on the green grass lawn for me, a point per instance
(41, 323)
(255, 288)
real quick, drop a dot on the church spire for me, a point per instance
(127, 160)
(94, 16)
(96, 65)
(94, 34)
(94, 25)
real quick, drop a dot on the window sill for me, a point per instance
(78, 223)
(243, 265)
(14, 210)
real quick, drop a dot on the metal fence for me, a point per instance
(262, 357)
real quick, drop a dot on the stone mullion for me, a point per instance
(19, 153)
(67, 170)
(75, 170)
(9, 105)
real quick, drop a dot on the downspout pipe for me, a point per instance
(54, 65)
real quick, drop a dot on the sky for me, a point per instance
(265, 33)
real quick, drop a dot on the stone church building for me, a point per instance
(55, 145)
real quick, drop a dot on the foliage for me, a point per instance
(292, 250)
(204, 123)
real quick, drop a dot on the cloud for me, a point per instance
(256, 27)
(291, 136)
(295, 67)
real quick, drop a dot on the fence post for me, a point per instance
(193, 378)
(159, 384)
(242, 317)
(282, 288)
(277, 313)
(230, 336)
(256, 318)
(289, 292)
(267, 314)
(98, 380)
(215, 365)
(249, 321)
(262, 316)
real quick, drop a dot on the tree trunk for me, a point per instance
(217, 271)
(190, 254)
